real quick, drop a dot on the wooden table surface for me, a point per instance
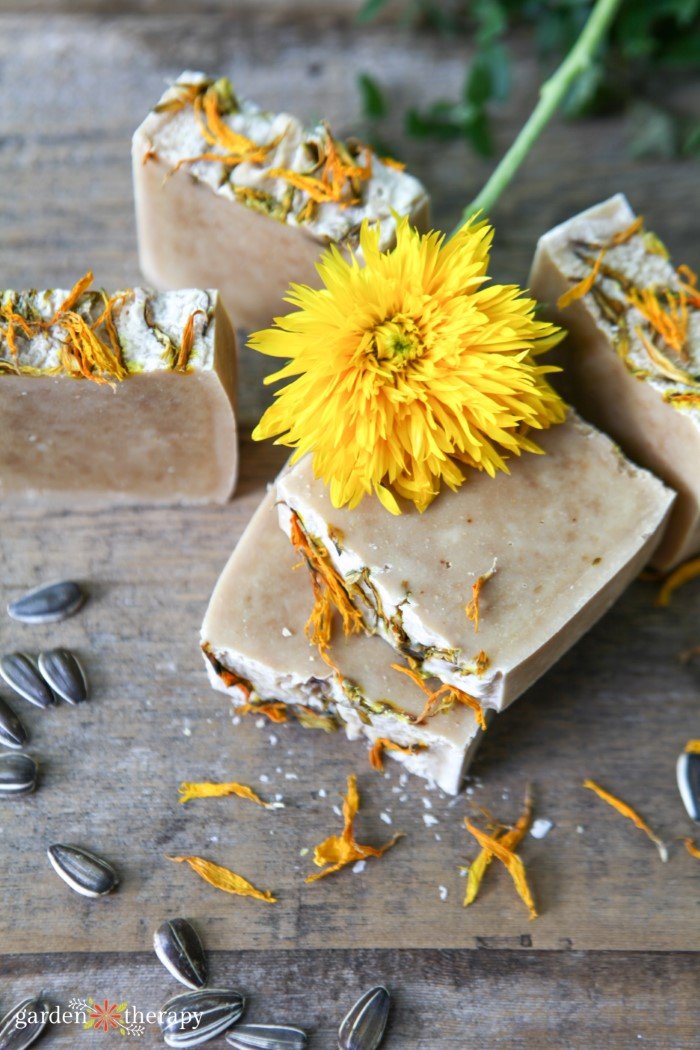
(612, 960)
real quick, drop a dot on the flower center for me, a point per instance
(397, 341)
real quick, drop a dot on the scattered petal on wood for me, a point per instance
(208, 789)
(628, 812)
(338, 851)
(224, 879)
(510, 838)
(511, 860)
(683, 574)
(692, 848)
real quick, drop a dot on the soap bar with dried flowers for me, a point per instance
(231, 196)
(256, 650)
(541, 553)
(633, 352)
(121, 399)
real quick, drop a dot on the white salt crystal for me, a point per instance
(540, 828)
(385, 817)
(359, 866)
(429, 820)
(443, 893)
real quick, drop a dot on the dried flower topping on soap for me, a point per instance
(338, 851)
(510, 838)
(275, 710)
(441, 699)
(408, 369)
(631, 814)
(382, 744)
(224, 879)
(328, 590)
(664, 311)
(471, 609)
(90, 349)
(689, 570)
(209, 789)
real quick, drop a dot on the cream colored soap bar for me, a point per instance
(632, 356)
(237, 198)
(135, 405)
(256, 650)
(561, 536)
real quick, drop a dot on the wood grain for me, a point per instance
(441, 1000)
(619, 707)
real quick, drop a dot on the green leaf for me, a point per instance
(477, 131)
(370, 9)
(478, 87)
(691, 141)
(373, 102)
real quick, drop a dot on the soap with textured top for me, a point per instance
(632, 356)
(256, 650)
(121, 399)
(232, 196)
(543, 552)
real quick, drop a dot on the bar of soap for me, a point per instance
(153, 423)
(232, 225)
(649, 408)
(557, 541)
(256, 651)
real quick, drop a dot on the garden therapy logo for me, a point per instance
(107, 1016)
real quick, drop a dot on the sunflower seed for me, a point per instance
(64, 674)
(196, 1017)
(12, 732)
(82, 870)
(24, 1023)
(47, 604)
(266, 1037)
(363, 1027)
(18, 774)
(21, 675)
(688, 776)
(179, 948)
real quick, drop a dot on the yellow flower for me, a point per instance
(408, 368)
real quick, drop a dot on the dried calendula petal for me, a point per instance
(209, 789)
(510, 838)
(511, 860)
(471, 609)
(683, 574)
(692, 848)
(628, 812)
(275, 710)
(224, 879)
(382, 744)
(337, 851)
(441, 699)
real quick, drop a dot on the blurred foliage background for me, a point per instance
(649, 40)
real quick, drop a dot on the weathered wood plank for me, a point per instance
(442, 1000)
(619, 707)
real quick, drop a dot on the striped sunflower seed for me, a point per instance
(364, 1025)
(266, 1037)
(82, 870)
(21, 675)
(64, 674)
(18, 774)
(49, 603)
(196, 1017)
(12, 731)
(180, 950)
(688, 776)
(24, 1023)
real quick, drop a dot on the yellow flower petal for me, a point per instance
(631, 814)
(209, 789)
(224, 879)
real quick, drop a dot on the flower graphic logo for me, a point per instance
(106, 1016)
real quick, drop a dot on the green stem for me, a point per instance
(551, 94)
